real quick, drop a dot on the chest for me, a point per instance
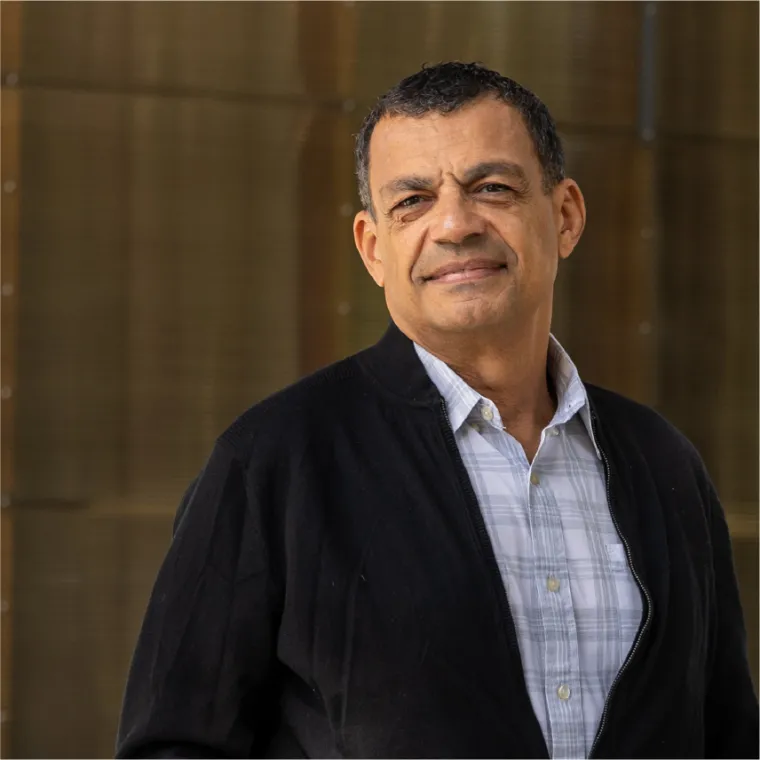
(563, 562)
(554, 508)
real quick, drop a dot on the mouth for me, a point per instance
(467, 271)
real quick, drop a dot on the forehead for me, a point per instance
(487, 130)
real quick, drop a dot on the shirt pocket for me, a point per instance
(617, 555)
(629, 602)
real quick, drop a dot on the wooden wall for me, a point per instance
(186, 250)
(707, 199)
(10, 193)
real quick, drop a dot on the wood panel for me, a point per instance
(708, 73)
(708, 192)
(581, 58)
(605, 305)
(213, 278)
(227, 49)
(83, 583)
(326, 187)
(708, 286)
(10, 189)
(575, 55)
(72, 343)
(162, 279)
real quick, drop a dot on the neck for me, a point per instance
(509, 369)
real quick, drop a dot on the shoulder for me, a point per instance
(653, 450)
(629, 422)
(313, 403)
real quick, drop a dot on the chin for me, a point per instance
(469, 321)
(472, 315)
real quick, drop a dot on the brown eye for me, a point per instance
(494, 187)
(412, 200)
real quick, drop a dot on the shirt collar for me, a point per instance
(461, 399)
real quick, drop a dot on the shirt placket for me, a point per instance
(562, 692)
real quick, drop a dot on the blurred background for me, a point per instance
(177, 197)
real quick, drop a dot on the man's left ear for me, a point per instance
(571, 211)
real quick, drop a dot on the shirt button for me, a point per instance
(553, 431)
(534, 479)
(552, 583)
(563, 692)
(486, 413)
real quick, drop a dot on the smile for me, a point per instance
(468, 274)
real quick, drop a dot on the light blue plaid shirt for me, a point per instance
(574, 601)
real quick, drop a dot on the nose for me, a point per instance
(454, 220)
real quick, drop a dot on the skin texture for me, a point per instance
(466, 244)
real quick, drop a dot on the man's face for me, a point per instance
(464, 237)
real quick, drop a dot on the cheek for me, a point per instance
(402, 261)
(536, 245)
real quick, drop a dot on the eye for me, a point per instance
(494, 187)
(412, 200)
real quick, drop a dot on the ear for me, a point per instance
(365, 238)
(571, 215)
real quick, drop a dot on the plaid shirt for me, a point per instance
(575, 604)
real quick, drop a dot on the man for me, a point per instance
(447, 545)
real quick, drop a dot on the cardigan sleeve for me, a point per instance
(202, 676)
(731, 705)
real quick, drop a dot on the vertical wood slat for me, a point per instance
(639, 313)
(8, 300)
(605, 299)
(608, 304)
(10, 45)
(327, 57)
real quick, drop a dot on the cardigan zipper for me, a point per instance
(647, 598)
(485, 540)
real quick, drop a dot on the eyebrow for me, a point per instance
(406, 184)
(489, 168)
(416, 182)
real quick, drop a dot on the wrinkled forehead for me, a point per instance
(436, 144)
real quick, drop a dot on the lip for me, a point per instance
(465, 271)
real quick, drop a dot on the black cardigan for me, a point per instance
(330, 590)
